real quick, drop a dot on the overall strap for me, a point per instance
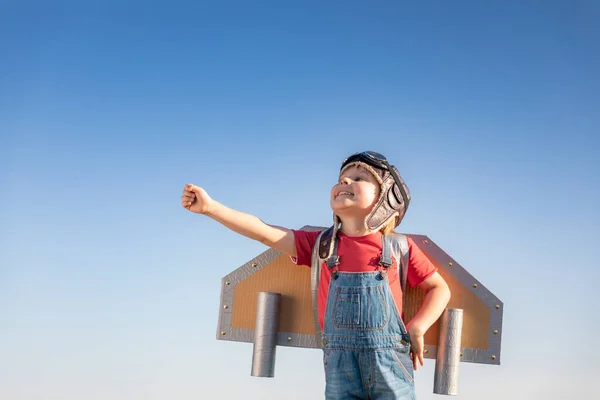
(386, 257)
(399, 248)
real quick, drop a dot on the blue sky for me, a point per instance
(109, 289)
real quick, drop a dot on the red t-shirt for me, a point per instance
(362, 254)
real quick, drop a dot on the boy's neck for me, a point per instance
(355, 228)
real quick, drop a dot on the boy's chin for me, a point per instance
(349, 213)
(340, 208)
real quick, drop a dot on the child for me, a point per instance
(368, 351)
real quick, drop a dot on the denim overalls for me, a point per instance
(365, 343)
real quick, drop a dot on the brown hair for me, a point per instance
(389, 225)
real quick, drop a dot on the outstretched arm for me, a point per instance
(434, 304)
(197, 200)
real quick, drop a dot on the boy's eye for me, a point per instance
(356, 178)
(352, 178)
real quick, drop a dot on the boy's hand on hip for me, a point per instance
(417, 344)
(195, 199)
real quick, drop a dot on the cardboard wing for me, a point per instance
(272, 271)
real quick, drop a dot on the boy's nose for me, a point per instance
(345, 181)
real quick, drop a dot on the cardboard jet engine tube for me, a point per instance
(445, 379)
(265, 334)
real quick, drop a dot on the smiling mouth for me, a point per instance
(344, 193)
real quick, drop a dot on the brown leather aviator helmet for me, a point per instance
(394, 196)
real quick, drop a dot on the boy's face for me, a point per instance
(355, 194)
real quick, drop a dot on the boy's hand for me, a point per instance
(195, 199)
(417, 343)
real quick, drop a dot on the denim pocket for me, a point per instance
(360, 308)
(403, 361)
(347, 309)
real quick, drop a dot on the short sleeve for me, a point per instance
(304, 241)
(419, 266)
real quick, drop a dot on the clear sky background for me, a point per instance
(110, 290)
